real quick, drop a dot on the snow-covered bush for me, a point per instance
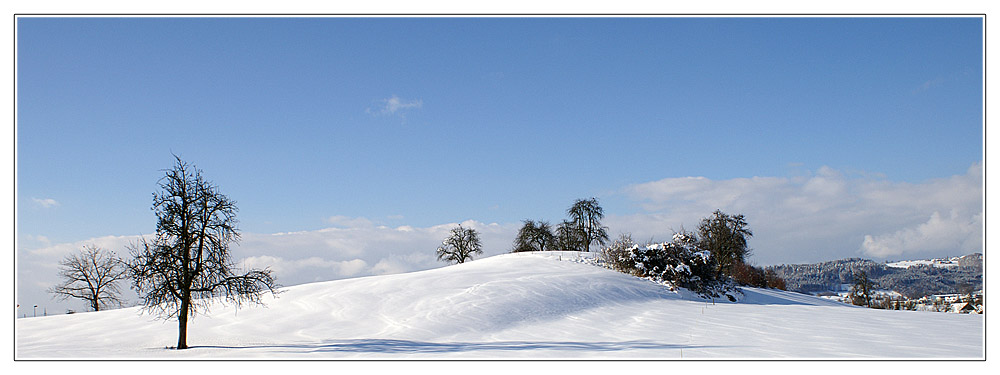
(616, 255)
(678, 263)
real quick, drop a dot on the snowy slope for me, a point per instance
(526, 305)
(941, 263)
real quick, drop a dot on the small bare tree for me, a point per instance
(460, 245)
(187, 265)
(91, 275)
(862, 290)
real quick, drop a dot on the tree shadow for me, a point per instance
(756, 296)
(409, 346)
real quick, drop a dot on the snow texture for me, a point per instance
(553, 305)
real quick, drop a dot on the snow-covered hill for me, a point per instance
(525, 305)
(940, 263)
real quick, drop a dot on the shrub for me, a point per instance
(616, 255)
(773, 280)
(679, 263)
(748, 275)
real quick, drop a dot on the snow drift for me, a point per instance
(524, 305)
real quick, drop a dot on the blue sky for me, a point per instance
(317, 123)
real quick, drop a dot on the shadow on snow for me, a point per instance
(407, 346)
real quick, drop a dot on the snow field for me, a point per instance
(527, 305)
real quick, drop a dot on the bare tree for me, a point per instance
(862, 290)
(187, 266)
(534, 237)
(460, 245)
(586, 216)
(91, 275)
(569, 237)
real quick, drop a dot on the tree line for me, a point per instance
(577, 233)
(707, 260)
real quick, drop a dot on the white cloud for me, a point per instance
(955, 231)
(46, 203)
(825, 215)
(320, 268)
(701, 191)
(359, 248)
(395, 104)
(116, 244)
(32, 241)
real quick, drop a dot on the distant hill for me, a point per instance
(912, 279)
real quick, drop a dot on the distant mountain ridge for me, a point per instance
(912, 279)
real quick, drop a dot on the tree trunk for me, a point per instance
(182, 320)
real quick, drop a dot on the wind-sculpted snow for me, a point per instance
(525, 305)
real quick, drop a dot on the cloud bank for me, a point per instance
(356, 247)
(825, 215)
(353, 248)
